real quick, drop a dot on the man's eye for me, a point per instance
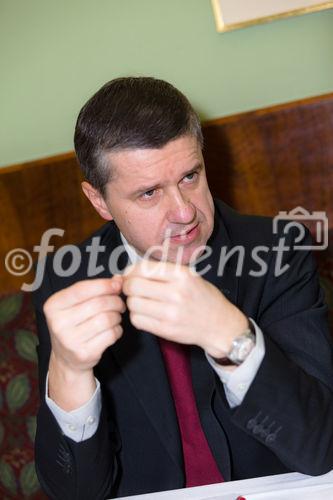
(148, 194)
(190, 177)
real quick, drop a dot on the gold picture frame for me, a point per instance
(223, 25)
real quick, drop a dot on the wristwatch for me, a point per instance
(240, 348)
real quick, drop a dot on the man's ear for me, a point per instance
(97, 200)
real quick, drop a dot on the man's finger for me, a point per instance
(143, 287)
(97, 324)
(160, 271)
(147, 307)
(149, 324)
(81, 312)
(84, 290)
(104, 339)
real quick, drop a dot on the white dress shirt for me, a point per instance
(82, 423)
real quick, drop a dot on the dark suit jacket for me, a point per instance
(285, 422)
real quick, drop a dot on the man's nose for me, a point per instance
(181, 210)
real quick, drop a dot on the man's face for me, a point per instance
(161, 197)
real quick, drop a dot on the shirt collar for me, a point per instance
(133, 255)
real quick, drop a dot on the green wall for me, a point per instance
(56, 53)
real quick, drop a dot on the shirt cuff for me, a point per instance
(237, 382)
(79, 424)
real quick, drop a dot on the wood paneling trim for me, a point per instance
(48, 160)
(288, 106)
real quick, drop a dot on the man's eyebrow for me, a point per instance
(144, 189)
(196, 168)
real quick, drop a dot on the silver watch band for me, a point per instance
(240, 348)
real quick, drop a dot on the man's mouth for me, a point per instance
(186, 236)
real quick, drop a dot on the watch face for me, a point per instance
(242, 346)
(245, 348)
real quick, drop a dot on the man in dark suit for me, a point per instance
(162, 377)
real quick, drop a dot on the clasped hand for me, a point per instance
(167, 300)
(175, 303)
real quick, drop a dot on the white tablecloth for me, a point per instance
(280, 487)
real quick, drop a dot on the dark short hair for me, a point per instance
(130, 113)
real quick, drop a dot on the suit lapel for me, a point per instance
(204, 386)
(223, 277)
(138, 356)
(203, 376)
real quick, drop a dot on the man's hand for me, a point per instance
(173, 302)
(83, 320)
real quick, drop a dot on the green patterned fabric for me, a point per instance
(18, 398)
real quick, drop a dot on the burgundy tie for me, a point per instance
(200, 465)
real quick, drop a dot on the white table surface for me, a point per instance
(280, 487)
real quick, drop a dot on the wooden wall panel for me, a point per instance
(37, 196)
(274, 159)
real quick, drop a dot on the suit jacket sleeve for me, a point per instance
(66, 469)
(289, 405)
